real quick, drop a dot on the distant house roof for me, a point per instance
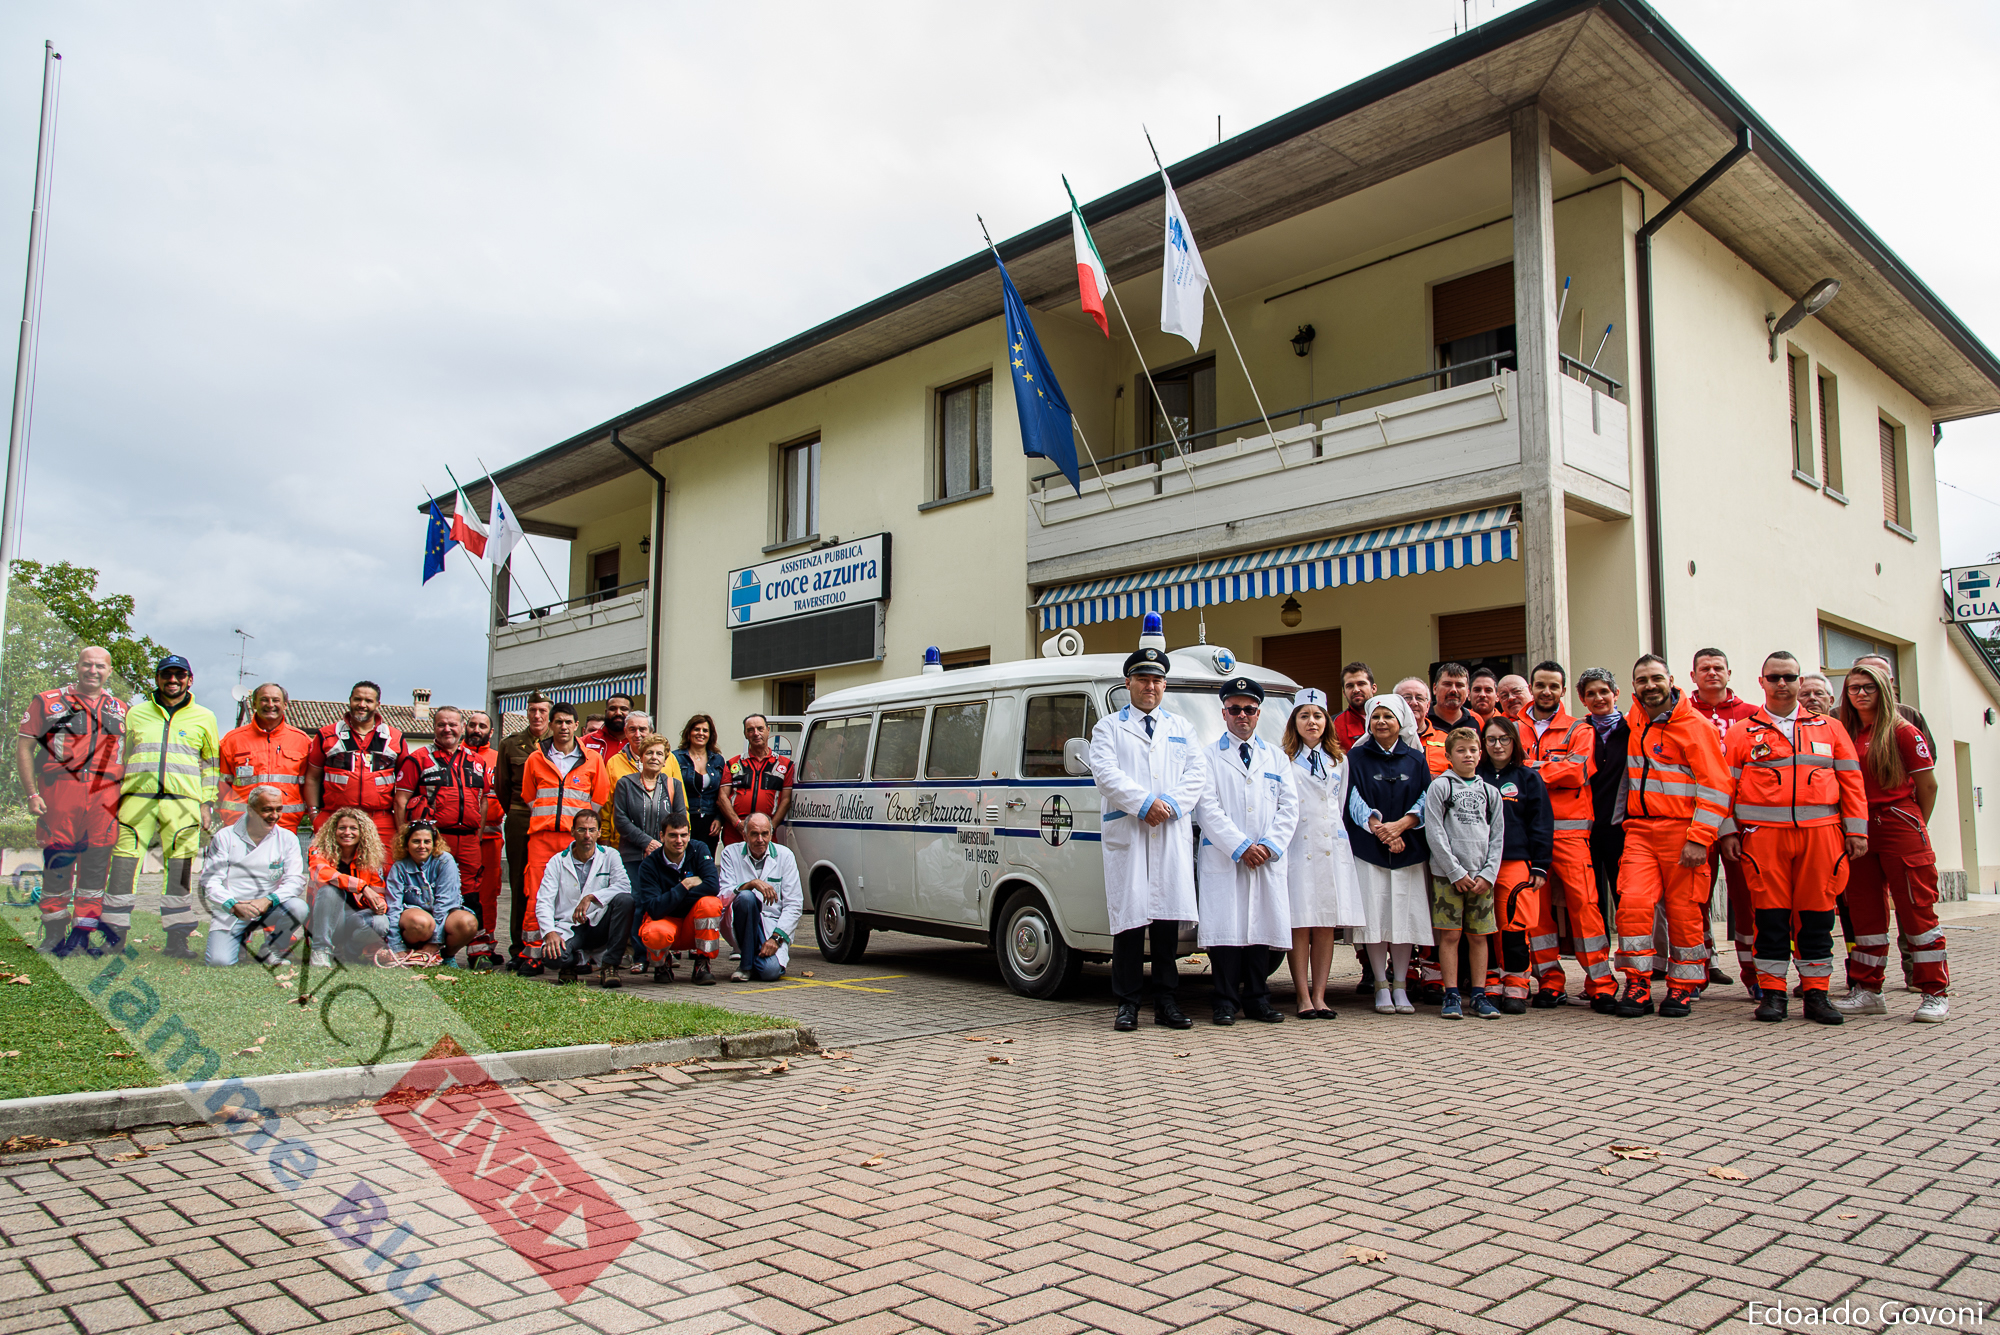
(312, 715)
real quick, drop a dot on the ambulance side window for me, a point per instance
(1051, 721)
(957, 733)
(836, 749)
(897, 742)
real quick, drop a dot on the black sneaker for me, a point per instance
(1605, 1005)
(1637, 1001)
(1512, 1005)
(1677, 1006)
(1547, 999)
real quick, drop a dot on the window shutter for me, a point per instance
(1475, 304)
(1466, 637)
(1311, 658)
(1825, 454)
(1892, 500)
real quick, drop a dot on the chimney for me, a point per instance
(420, 705)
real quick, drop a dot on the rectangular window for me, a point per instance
(604, 572)
(965, 658)
(957, 734)
(792, 697)
(836, 749)
(1797, 389)
(897, 742)
(1838, 648)
(1310, 658)
(1829, 433)
(1472, 638)
(1184, 409)
(1895, 475)
(798, 491)
(1472, 319)
(965, 438)
(1051, 721)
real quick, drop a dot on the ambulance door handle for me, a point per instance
(1017, 801)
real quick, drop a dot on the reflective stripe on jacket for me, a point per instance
(171, 752)
(1565, 758)
(250, 756)
(363, 777)
(554, 799)
(1812, 780)
(1674, 771)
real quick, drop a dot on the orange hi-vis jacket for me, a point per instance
(1674, 771)
(1812, 780)
(554, 799)
(496, 801)
(1565, 755)
(251, 756)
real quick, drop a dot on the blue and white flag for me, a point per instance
(1046, 427)
(504, 531)
(1183, 280)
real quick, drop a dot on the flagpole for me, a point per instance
(1092, 456)
(1255, 397)
(553, 586)
(462, 547)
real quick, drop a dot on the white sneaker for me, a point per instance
(1860, 1001)
(737, 955)
(1383, 1004)
(1932, 1010)
(321, 959)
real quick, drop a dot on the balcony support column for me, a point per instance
(1544, 542)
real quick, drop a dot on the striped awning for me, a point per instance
(1468, 539)
(631, 684)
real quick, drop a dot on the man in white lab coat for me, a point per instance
(1247, 814)
(1146, 761)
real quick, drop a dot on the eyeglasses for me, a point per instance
(1862, 688)
(1781, 676)
(1240, 710)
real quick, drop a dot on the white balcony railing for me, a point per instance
(599, 633)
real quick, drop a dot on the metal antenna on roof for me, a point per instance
(243, 638)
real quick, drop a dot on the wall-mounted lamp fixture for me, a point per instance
(1815, 299)
(646, 544)
(1302, 342)
(1291, 613)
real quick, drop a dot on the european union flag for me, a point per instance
(437, 542)
(1046, 431)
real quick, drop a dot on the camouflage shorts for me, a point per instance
(1451, 910)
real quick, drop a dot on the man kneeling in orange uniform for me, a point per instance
(675, 898)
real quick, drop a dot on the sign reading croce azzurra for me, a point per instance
(1975, 592)
(816, 581)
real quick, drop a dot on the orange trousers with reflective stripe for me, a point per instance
(699, 931)
(1572, 876)
(1792, 871)
(1516, 904)
(1651, 874)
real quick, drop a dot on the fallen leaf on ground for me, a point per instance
(121, 1054)
(784, 1064)
(1003, 1040)
(1634, 1151)
(12, 1052)
(805, 973)
(974, 1038)
(1364, 1255)
(1177, 1071)
(1605, 1169)
(1850, 1216)
(874, 1162)
(1179, 1055)
(444, 977)
(1009, 1061)
(22, 1144)
(1728, 1174)
(270, 1024)
(845, 1089)
(836, 1054)
(129, 1155)
(22, 979)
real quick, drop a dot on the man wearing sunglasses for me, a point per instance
(1800, 815)
(1247, 813)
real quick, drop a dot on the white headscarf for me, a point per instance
(1406, 722)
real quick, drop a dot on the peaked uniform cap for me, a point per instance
(1242, 686)
(1146, 663)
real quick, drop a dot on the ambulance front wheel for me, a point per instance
(842, 937)
(1034, 958)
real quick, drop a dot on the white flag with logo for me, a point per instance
(505, 531)
(1182, 277)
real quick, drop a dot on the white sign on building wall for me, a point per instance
(821, 580)
(1975, 592)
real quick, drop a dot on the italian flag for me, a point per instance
(1093, 282)
(466, 530)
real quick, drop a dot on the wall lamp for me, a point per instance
(645, 544)
(1814, 301)
(1291, 613)
(1302, 341)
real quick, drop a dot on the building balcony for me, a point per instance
(1394, 460)
(597, 635)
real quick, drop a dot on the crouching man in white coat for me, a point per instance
(1146, 762)
(1247, 814)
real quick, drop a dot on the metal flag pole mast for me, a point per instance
(1075, 425)
(17, 433)
(1255, 397)
(470, 559)
(1181, 449)
(555, 587)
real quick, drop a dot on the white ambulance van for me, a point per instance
(959, 804)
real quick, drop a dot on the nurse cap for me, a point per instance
(1312, 695)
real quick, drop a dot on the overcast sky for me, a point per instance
(304, 256)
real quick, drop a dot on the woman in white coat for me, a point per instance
(1325, 892)
(1246, 814)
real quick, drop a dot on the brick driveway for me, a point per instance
(1216, 1180)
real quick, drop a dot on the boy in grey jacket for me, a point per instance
(1467, 828)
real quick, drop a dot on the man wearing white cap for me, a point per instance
(1147, 765)
(1247, 815)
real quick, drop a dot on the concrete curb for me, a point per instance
(107, 1112)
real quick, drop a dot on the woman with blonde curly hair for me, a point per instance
(345, 865)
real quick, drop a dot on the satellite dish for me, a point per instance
(239, 692)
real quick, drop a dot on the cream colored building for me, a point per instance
(1521, 507)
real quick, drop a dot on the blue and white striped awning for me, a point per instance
(631, 684)
(1469, 539)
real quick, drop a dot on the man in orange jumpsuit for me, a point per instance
(1672, 802)
(266, 750)
(69, 756)
(561, 778)
(479, 739)
(1712, 698)
(1799, 817)
(1562, 749)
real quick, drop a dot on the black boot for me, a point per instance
(1677, 1006)
(1637, 1001)
(1819, 1008)
(1167, 1014)
(177, 943)
(1772, 1006)
(54, 930)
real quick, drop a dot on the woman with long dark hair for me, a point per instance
(701, 773)
(1325, 894)
(1524, 857)
(1899, 866)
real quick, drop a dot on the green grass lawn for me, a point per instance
(88, 1024)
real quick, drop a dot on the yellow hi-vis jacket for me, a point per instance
(171, 752)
